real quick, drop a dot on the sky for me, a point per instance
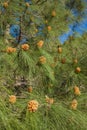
(76, 28)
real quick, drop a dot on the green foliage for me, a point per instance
(47, 117)
(55, 78)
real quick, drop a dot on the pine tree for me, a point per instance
(37, 73)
